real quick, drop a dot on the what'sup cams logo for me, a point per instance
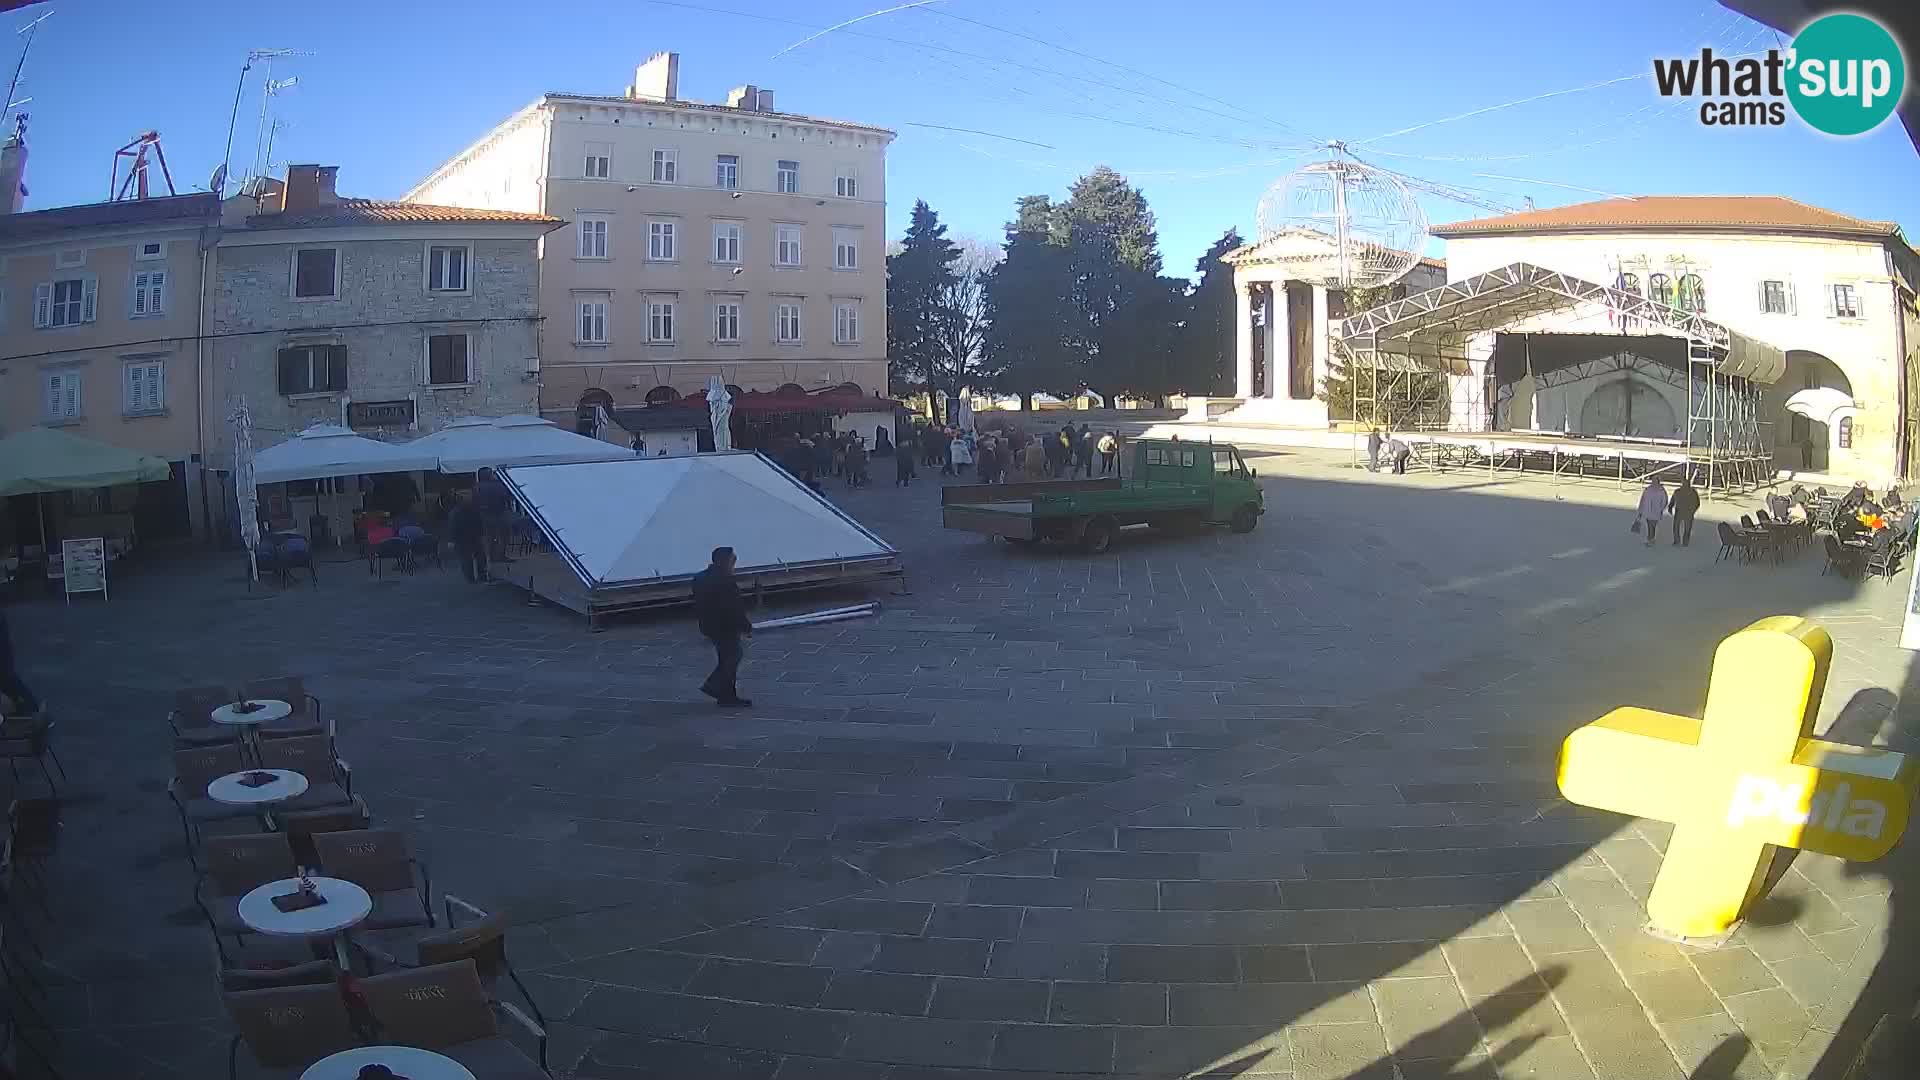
(1844, 74)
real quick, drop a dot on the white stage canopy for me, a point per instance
(648, 519)
(476, 443)
(325, 450)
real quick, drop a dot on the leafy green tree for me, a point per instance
(919, 277)
(1026, 301)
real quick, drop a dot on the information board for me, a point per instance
(83, 564)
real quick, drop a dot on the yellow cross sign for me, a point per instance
(1747, 778)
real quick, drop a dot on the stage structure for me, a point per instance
(629, 535)
(1424, 368)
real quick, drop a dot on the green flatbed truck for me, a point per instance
(1170, 485)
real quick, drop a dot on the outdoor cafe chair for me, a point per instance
(381, 862)
(302, 825)
(425, 546)
(1732, 542)
(30, 737)
(192, 717)
(329, 779)
(306, 717)
(482, 939)
(445, 1008)
(1847, 560)
(1882, 557)
(271, 962)
(236, 865)
(193, 769)
(395, 548)
(285, 1029)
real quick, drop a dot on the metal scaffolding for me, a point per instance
(1421, 368)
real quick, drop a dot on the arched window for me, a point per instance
(734, 391)
(850, 388)
(662, 395)
(585, 415)
(1693, 293)
(1629, 283)
(1659, 289)
(596, 396)
(791, 390)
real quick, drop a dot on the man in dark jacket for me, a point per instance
(1685, 503)
(11, 684)
(468, 531)
(490, 498)
(722, 614)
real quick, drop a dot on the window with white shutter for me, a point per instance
(786, 177)
(593, 237)
(666, 166)
(660, 321)
(846, 322)
(661, 241)
(726, 321)
(592, 328)
(149, 293)
(1843, 302)
(846, 249)
(599, 163)
(1776, 297)
(786, 323)
(67, 302)
(726, 241)
(63, 395)
(726, 172)
(846, 182)
(146, 387)
(786, 245)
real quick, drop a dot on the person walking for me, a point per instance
(1400, 453)
(468, 531)
(1083, 449)
(490, 497)
(11, 684)
(960, 454)
(856, 462)
(1037, 460)
(1109, 447)
(1373, 450)
(1684, 504)
(1653, 507)
(1063, 455)
(903, 474)
(722, 615)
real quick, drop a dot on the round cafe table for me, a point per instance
(347, 905)
(408, 1061)
(248, 722)
(229, 791)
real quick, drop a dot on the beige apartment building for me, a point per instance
(100, 335)
(731, 240)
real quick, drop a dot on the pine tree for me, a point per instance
(1026, 299)
(919, 276)
(1206, 341)
(1103, 201)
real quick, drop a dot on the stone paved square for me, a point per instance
(1264, 805)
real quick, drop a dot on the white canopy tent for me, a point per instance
(476, 443)
(326, 450)
(633, 532)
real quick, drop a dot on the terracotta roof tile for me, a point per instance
(350, 212)
(1757, 213)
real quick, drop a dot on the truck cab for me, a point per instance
(1230, 482)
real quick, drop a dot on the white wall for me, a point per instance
(1732, 267)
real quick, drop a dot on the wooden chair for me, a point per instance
(482, 939)
(305, 719)
(30, 737)
(285, 1029)
(191, 717)
(329, 779)
(444, 1008)
(193, 770)
(236, 865)
(381, 862)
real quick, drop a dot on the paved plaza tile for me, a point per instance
(1280, 804)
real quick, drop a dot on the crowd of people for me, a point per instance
(996, 456)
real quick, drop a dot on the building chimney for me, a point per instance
(658, 78)
(13, 169)
(309, 187)
(741, 97)
(763, 101)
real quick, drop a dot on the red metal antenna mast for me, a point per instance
(136, 181)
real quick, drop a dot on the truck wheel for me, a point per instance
(1098, 536)
(1244, 519)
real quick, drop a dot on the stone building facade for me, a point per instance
(388, 318)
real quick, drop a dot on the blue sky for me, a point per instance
(1203, 105)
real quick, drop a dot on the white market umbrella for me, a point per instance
(720, 410)
(475, 443)
(326, 450)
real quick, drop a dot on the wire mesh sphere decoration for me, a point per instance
(1365, 224)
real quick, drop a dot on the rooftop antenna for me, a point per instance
(30, 29)
(136, 181)
(263, 131)
(254, 56)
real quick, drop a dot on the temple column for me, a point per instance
(1242, 339)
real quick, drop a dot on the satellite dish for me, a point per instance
(1354, 226)
(217, 183)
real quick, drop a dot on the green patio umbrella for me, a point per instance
(41, 459)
